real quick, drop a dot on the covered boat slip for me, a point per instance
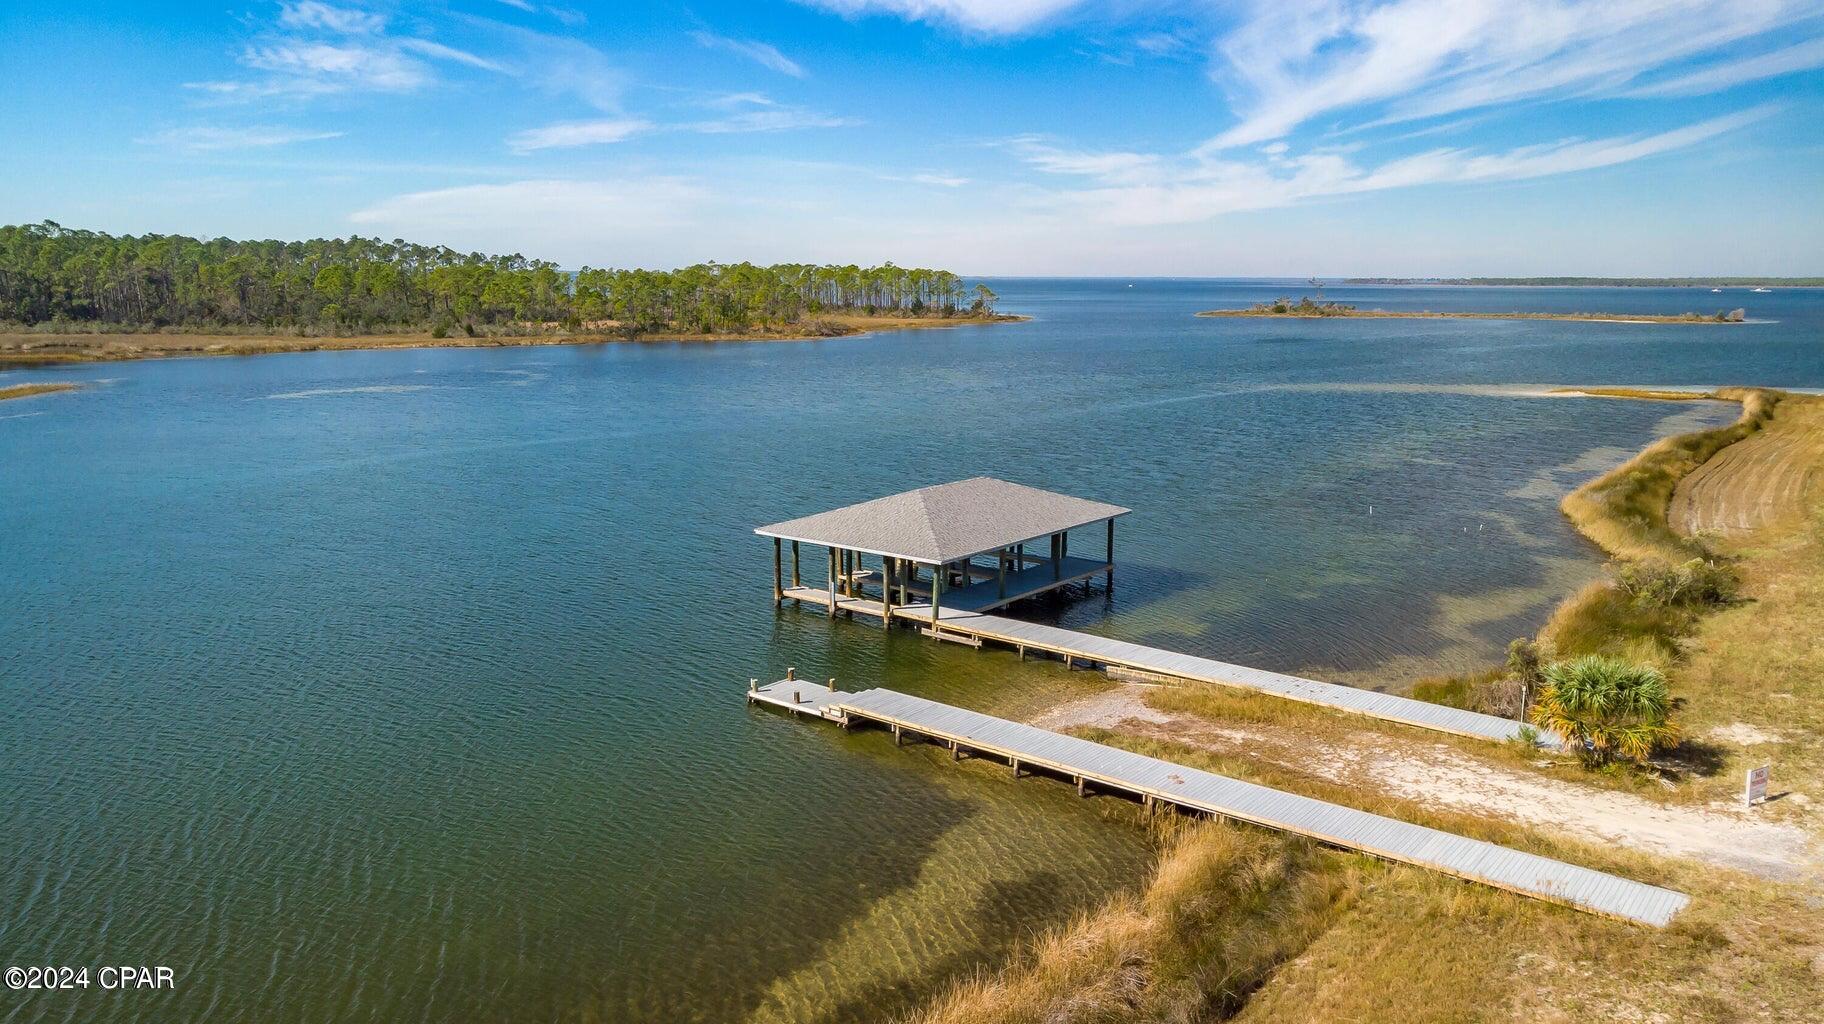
(974, 544)
(1153, 781)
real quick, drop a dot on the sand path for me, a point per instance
(1419, 769)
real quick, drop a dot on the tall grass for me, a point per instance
(1224, 907)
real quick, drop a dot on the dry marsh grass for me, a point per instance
(28, 390)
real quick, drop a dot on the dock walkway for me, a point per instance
(1102, 766)
(1076, 646)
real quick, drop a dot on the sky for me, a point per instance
(990, 137)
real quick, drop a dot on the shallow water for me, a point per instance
(407, 685)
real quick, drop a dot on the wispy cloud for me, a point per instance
(209, 138)
(1407, 59)
(570, 134)
(316, 49)
(752, 113)
(769, 119)
(347, 21)
(1799, 57)
(764, 54)
(1143, 189)
(987, 16)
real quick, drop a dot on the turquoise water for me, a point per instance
(407, 685)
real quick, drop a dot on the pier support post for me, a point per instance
(956, 751)
(937, 593)
(896, 735)
(796, 581)
(1110, 586)
(1016, 767)
(886, 592)
(1081, 789)
(832, 590)
(1057, 557)
(778, 579)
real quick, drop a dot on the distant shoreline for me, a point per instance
(1596, 282)
(47, 349)
(1381, 314)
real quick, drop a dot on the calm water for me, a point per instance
(389, 686)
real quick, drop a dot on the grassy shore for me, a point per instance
(28, 390)
(1242, 925)
(1338, 312)
(48, 347)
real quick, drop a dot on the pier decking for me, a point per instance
(1153, 780)
(1099, 650)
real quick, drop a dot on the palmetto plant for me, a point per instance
(1606, 708)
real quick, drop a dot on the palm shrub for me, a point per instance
(1606, 708)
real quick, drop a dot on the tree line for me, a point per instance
(55, 275)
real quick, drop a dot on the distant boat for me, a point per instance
(1716, 289)
(1761, 289)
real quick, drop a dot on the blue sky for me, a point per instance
(1334, 137)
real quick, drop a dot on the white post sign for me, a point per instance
(1757, 784)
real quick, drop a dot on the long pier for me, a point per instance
(1155, 781)
(974, 627)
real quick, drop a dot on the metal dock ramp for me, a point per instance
(1103, 766)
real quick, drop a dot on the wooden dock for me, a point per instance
(1088, 650)
(1099, 766)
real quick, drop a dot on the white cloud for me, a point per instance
(1420, 58)
(449, 53)
(312, 15)
(769, 119)
(765, 118)
(988, 16)
(764, 54)
(570, 134)
(1799, 57)
(207, 138)
(621, 220)
(1138, 189)
(314, 67)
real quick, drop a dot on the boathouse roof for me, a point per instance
(946, 522)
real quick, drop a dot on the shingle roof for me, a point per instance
(946, 522)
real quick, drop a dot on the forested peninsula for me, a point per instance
(69, 295)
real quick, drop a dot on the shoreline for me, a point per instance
(1326, 934)
(1382, 314)
(26, 349)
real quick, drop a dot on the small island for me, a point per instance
(1308, 309)
(28, 390)
(83, 296)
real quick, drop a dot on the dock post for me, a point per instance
(1110, 586)
(832, 684)
(753, 685)
(778, 579)
(1000, 574)
(896, 735)
(832, 591)
(1081, 791)
(937, 594)
(1016, 766)
(796, 581)
(956, 752)
(886, 592)
(1057, 557)
(791, 673)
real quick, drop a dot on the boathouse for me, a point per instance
(972, 545)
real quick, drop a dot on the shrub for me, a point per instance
(1606, 707)
(1696, 583)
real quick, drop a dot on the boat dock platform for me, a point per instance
(1154, 781)
(1075, 648)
